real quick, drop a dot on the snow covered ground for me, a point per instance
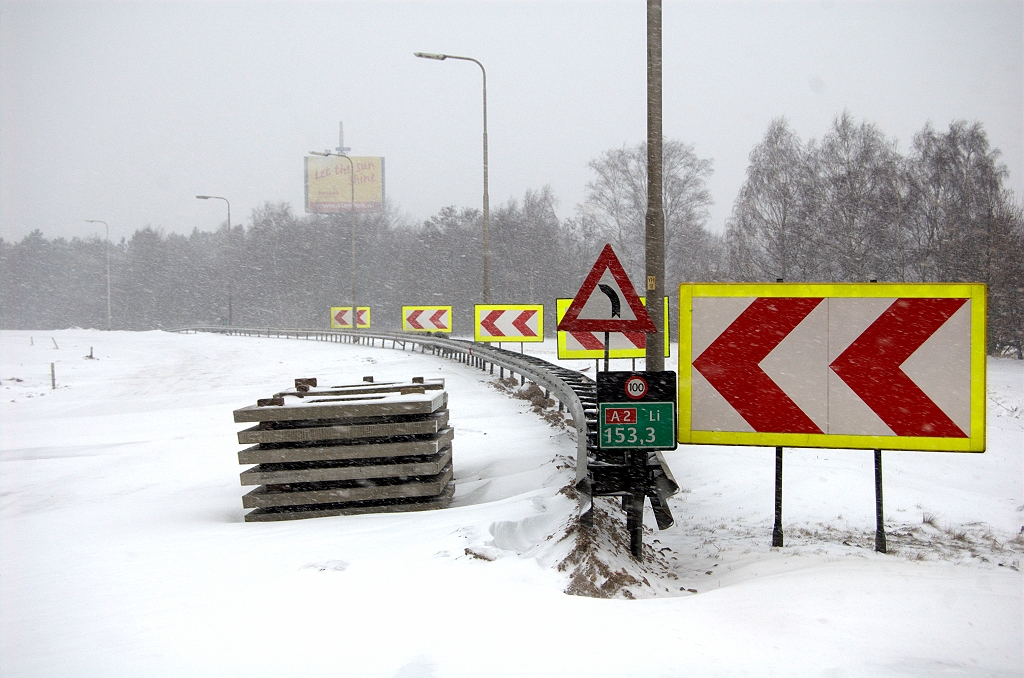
(123, 551)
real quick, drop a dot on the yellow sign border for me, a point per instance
(425, 307)
(338, 326)
(508, 307)
(564, 353)
(976, 292)
(366, 325)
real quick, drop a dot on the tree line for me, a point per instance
(849, 207)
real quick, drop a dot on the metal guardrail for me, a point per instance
(574, 392)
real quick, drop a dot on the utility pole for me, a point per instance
(654, 220)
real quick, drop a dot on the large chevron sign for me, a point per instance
(868, 366)
(426, 318)
(583, 345)
(508, 322)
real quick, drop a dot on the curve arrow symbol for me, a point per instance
(488, 324)
(613, 297)
(412, 320)
(731, 364)
(340, 317)
(520, 323)
(870, 366)
(436, 319)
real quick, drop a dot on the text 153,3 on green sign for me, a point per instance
(638, 425)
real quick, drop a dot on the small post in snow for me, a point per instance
(53, 377)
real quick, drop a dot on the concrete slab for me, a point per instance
(344, 407)
(296, 494)
(411, 439)
(353, 508)
(365, 428)
(364, 388)
(314, 472)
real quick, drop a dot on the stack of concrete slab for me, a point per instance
(359, 448)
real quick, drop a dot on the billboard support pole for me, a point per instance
(352, 221)
(777, 530)
(879, 518)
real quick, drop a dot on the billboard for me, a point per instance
(862, 366)
(329, 186)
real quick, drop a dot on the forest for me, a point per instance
(849, 207)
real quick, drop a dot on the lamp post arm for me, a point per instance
(486, 201)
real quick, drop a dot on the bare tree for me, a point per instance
(616, 204)
(769, 235)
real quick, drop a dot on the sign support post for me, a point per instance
(777, 530)
(879, 518)
(607, 348)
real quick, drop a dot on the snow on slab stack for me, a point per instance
(343, 450)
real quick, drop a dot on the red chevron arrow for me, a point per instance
(436, 319)
(731, 364)
(361, 317)
(520, 323)
(871, 367)
(411, 319)
(340, 317)
(488, 324)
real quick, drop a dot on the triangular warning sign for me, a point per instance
(607, 301)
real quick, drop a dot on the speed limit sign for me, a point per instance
(636, 387)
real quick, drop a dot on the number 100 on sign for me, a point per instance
(638, 425)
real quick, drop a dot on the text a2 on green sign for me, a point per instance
(638, 425)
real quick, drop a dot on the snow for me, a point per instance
(123, 550)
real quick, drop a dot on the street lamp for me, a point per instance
(106, 246)
(217, 197)
(352, 220)
(487, 253)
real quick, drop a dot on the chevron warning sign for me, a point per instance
(878, 366)
(508, 322)
(426, 318)
(582, 345)
(341, 317)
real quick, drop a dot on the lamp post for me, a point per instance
(654, 219)
(106, 246)
(217, 197)
(487, 253)
(352, 220)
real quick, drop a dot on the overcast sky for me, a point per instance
(125, 111)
